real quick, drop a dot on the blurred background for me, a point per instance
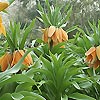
(25, 10)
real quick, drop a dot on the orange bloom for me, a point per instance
(91, 55)
(3, 5)
(5, 61)
(2, 28)
(53, 35)
(11, 59)
(17, 55)
(98, 52)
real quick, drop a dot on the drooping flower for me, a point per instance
(54, 35)
(5, 61)
(17, 55)
(9, 59)
(3, 5)
(93, 57)
(2, 28)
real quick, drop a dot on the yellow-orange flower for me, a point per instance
(53, 35)
(93, 57)
(5, 61)
(17, 55)
(9, 59)
(3, 5)
(2, 28)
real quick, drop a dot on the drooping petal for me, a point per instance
(60, 35)
(88, 59)
(64, 35)
(51, 31)
(94, 58)
(16, 57)
(96, 64)
(26, 61)
(45, 35)
(54, 36)
(2, 29)
(92, 49)
(29, 59)
(98, 51)
(3, 5)
(55, 43)
(0, 19)
(5, 61)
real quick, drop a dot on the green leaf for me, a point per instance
(29, 98)
(27, 86)
(16, 78)
(71, 29)
(10, 1)
(17, 96)
(75, 84)
(64, 98)
(79, 96)
(66, 18)
(57, 49)
(10, 42)
(6, 96)
(25, 34)
(34, 95)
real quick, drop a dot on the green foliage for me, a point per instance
(58, 74)
(78, 96)
(53, 15)
(21, 84)
(87, 38)
(16, 37)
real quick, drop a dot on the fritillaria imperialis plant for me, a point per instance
(16, 41)
(53, 20)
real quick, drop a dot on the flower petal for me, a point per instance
(5, 61)
(98, 51)
(64, 35)
(16, 57)
(2, 29)
(45, 35)
(96, 64)
(51, 31)
(3, 5)
(92, 49)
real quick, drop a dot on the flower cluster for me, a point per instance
(93, 57)
(9, 59)
(53, 35)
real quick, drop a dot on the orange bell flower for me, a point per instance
(3, 5)
(91, 55)
(54, 35)
(5, 61)
(17, 55)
